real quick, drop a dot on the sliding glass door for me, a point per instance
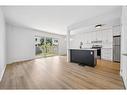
(46, 46)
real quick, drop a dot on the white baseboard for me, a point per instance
(124, 80)
(2, 73)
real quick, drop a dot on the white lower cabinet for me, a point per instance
(106, 54)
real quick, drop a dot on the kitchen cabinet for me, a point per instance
(109, 36)
(107, 53)
(99, 35)
(89, 37)
(85, 37)
(116, 30)
(93, 36)
(104, 36)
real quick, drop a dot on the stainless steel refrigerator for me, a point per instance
(116, 48)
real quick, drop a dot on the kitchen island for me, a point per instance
(84, 57)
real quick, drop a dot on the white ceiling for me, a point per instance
(54, 19)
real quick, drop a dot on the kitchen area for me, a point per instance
(104, 40)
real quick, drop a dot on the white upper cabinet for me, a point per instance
(88, 38)
(94, 36)
(104, 36)
(99, 35)
(91, 35)
(109, 36)
(117, 30)
(85, 37)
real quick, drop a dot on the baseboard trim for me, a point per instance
(38, 57)
(2, 73)
(123, 81)
(21, 61)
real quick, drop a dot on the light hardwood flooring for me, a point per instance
(56, 73)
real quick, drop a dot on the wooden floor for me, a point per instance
(56, 73)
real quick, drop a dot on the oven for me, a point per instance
(98, 47)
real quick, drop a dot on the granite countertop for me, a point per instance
(82, 49)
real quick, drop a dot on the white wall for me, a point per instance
(2, 44)
(124, 46)
(21, 43)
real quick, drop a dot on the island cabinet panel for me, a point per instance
(83, 57)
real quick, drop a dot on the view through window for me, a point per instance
(46, 46)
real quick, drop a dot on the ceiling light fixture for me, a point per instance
(98, 26)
